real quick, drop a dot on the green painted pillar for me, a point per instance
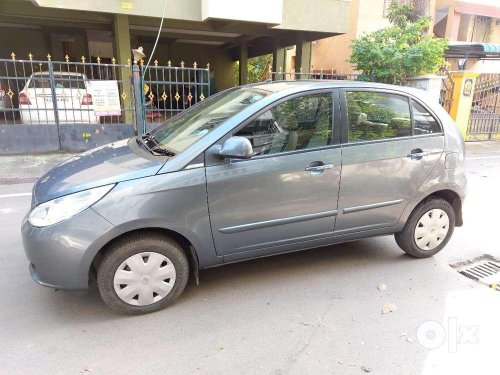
(303, 50)
(122, 38)
(123, 53)
(243, 70)
(279, 59)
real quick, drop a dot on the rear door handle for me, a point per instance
(316, 168)
(417, 154)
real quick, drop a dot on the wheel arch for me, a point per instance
(449, 195)
(185, 243)
(453, 199)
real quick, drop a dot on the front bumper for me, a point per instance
(60, 255)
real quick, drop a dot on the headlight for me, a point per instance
(63, 208)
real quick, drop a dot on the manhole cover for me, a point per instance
(484, 269)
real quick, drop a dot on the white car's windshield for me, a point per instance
(183, 130)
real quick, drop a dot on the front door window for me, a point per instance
(296, 124)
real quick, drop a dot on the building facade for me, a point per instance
(462, 21)
(218, 32)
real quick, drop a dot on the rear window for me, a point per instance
(61, 81)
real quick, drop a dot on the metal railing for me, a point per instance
(50, 105)
(484, 118)
(46, 92)
(446, 92)
(170, 89)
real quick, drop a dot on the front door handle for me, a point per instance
(318, 167)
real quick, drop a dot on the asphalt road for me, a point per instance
(312, 312)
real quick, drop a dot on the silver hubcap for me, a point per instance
(432, 229)
(144, 278)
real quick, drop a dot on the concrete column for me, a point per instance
(463, 91)
(56, 48)
(279, 58)
(123, 52)
(303, 56)
(243, 72)
(122, 38)
(452, 24)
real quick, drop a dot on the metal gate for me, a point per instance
(50, 105)
(484, 121)
(169, 90)
(447, 87)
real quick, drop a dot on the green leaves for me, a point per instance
(400, 51)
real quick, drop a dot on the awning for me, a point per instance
(486, 8)
(473, 50)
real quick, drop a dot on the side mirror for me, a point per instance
(237, 148)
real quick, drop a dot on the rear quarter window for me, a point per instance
(423, 121)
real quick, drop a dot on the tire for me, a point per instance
(140, 261)
(424, 233)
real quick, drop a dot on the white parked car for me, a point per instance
(74, 101)
(5, 102)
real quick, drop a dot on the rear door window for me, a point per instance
(377, 115)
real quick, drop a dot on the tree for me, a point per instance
(258, 68)
(422, 8)
(400, 51)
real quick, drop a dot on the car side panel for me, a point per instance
(378, 180)
(175, 201)
(61, 254)
(439, 179)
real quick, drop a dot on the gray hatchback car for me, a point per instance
(253, 171)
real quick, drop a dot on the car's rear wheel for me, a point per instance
(142, 273)
(428, 229)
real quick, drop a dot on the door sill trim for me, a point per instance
(350, 210)
(276, 222)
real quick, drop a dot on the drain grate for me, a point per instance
(484, 269)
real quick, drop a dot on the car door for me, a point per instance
(287, 192)
(389, 148)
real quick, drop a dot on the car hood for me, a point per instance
(104, 165)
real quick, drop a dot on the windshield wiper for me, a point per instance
(143, 144)
(163, 151)
(149, 139)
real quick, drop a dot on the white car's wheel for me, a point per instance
(428, 229)
(142, 273)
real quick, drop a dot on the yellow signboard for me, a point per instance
(127, 5)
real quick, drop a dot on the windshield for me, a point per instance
(183, 130)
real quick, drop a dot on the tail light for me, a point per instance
(87, 99)
(23, 99)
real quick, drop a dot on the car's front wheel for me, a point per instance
(142, 273)
(428, 229)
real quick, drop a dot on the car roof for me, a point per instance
(305, 85)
